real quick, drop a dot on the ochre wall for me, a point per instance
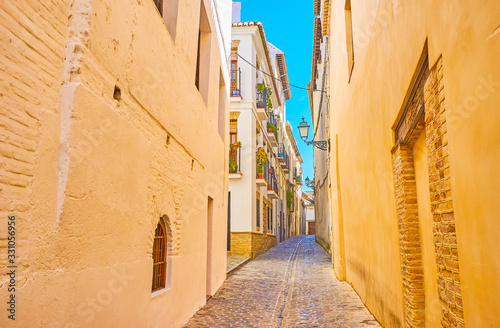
(88, 176)
(432, 309)
(387, 48)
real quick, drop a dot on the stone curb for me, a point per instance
(237, 267)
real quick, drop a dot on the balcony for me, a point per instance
(283, 158)
(235, 161)
(236, 83)
(272, 185)
(286, 165)
(272, 130)
(262, 105)
(297, 176)
(262, 177)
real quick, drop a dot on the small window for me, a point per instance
(222, 107)
(170, 16)
(197, 77)
(159, 6)
(203, 54)
(349, 38)
(159, 257)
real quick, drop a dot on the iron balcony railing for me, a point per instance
(272, 124)
(283, 157)
(235, 158)
(272, 119)
(272, 183)
(236, 82)
(262, 99)
(265, 171)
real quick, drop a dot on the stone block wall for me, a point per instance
(251, 244)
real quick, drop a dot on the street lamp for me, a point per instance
(304, 134)
(310, 183)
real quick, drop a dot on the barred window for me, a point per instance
(159, 257)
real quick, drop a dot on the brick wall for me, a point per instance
(31, 63)
(445, 237)
(251, 244)
(409, 236)
(425, 113)
(241, 243)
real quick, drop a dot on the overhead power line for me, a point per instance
(279, 80)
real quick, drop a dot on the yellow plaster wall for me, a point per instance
(432, 308)
(387, 48)
(85, 231)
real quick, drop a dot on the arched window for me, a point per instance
(159, 257)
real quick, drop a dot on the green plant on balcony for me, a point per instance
(260, 88)
(235, 145)
(272, 128)
(289, 199)
(261, 159)
(233, 166)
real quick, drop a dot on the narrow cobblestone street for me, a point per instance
(292, 285)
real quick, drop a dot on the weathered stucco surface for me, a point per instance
(88, 175)
(387, 48)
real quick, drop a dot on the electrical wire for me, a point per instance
(275, 78)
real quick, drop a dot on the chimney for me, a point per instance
(236, 11)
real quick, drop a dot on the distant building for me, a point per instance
(308, 216)
(263, 162)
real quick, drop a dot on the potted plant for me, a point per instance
(271, 128)
(261, 159)
(235, 145)
(233, 166)
(260, 171)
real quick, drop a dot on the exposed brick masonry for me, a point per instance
(428, 91)
(409, 236)
(410, 126)
(445, 238)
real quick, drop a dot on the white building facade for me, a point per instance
(261, 160)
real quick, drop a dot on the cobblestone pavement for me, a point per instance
(292, 285)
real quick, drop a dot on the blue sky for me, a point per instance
(289, 26)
